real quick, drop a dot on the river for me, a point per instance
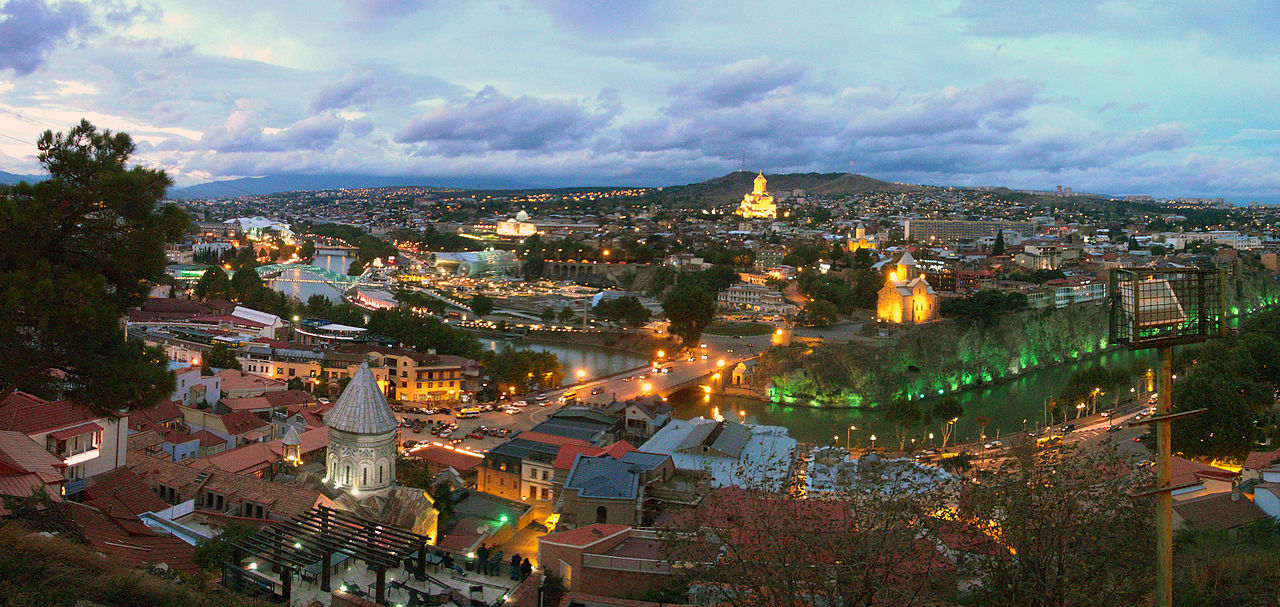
(595, 362)
(304, 290)
(1005, 404)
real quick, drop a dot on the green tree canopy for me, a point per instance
(626, 309)
(221, 356)
(689, 309)
(213, 284)
(481, 304)
(80, 248)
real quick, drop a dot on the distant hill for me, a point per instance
(732, 186)
(253, 186)
(12, 178)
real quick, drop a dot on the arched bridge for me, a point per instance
(341, 282)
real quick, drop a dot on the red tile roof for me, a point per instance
(19, 455)
(1260, 459)
(121, 494)
(239, 422)
(447, 457)
(1183, 471)
(133, 546)
(287, 398)
(550, 439)
(75, 431)
(564, 459)
(34, 415)
(145, 419)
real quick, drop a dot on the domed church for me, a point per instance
(362, 436)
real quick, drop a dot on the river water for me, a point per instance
(1005, 405)
(303, 290)
(596, 362)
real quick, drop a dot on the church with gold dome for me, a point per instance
(758, 204)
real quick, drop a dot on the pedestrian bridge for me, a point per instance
(278, 271)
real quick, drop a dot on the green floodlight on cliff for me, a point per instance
(1162, 308)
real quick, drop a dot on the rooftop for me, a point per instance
(362, 409)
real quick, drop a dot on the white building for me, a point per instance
(88, 444)
(736, 455)
(1226, 238)
(754, 298)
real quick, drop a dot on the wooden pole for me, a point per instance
(1164, 499)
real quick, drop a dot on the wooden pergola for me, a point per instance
(316, 536)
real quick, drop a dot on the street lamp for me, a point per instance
(847, 434)
(582, 374)
(873, 442)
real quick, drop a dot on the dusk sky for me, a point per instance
(1168, 99)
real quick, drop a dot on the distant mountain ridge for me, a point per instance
(11, 178)
(732, 186)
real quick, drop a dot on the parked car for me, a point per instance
(409, 444)
(597, 390)
(511, 410)
(995, 444)
(475, 434)
(520, 403)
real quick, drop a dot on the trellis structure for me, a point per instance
(314, 537)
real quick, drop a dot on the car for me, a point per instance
(512, 411)
(475, 434)
(1067, 428)
(520, 403)
(455, 441)
(751, 345)
(1146, 463)
(690, 359)
(1105, 414)
(542, 397)
(643, 376)
(995, 444)
(409, 444)
(1137, 439)
(632, 378)
(1115, 429)
(704, 357)
(597, 390)
(703, 346)
(1154, 398)
(731, 350)
(446, 433)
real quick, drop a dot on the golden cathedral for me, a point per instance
(758, 204)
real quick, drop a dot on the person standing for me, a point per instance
(525, 569)
(482, 560)
(515, 567)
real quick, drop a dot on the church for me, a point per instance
(758, 204)
(362, 437)
(906, 297)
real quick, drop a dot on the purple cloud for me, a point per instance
(31, 29)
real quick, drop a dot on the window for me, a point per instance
(545, 475)
(364, 476)
(291, 371)
(348, 480)
(602, 514)
(379, 474)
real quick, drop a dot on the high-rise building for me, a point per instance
(946, 230)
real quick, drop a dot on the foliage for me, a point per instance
(213, 284)
(220, 356)
(818, 313)
(481, 304)
(308, 250)
(81, 248)
(859, 546)
(39, 512)
(998, 249)
(982, 307)
(827, 288)
(626, 309)
(421, 333)
(210, 553)
(368, 247)
(442, 496)
(520, 368)
(1068, 531)
(1213, 568)
(690, 310)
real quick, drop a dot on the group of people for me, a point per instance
(489, 562)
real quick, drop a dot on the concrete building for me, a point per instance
(733, 454)
(362, 436)
(949, 230)
(758, 298)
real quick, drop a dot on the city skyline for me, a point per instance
(1110, 97)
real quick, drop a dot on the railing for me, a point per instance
(74, 486)
(623, 563)
(177, 511)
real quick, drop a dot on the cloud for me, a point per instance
(739, 82)
(31, 29)
(594, 17)
(244, 131)
(365, 88)
(491, 121)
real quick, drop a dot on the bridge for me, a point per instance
(341, 282)
(578, 270)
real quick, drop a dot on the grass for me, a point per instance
(739, 328)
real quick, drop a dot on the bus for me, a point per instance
(468, 412)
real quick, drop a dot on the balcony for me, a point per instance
(81, 457)
(73, 487)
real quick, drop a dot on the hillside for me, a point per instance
(12, 178)
(731, 187)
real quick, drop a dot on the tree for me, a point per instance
(245, 284)
(818, 313)
(566, 314)
(1069, 531)
(213, 284)
(318, 305)
(81, 248)
(211, 553)
(998, 249)
(905, 414)
(947, 411)
(481, 304)
(626, 309)
(308, 250)
(547, 314)
(221, 357)
(690, 310)
(510, 367)
(296, 383)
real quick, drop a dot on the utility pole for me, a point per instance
(1164, 499)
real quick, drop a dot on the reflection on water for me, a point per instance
(595, 361)
(304, 290)
(1005, 405)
